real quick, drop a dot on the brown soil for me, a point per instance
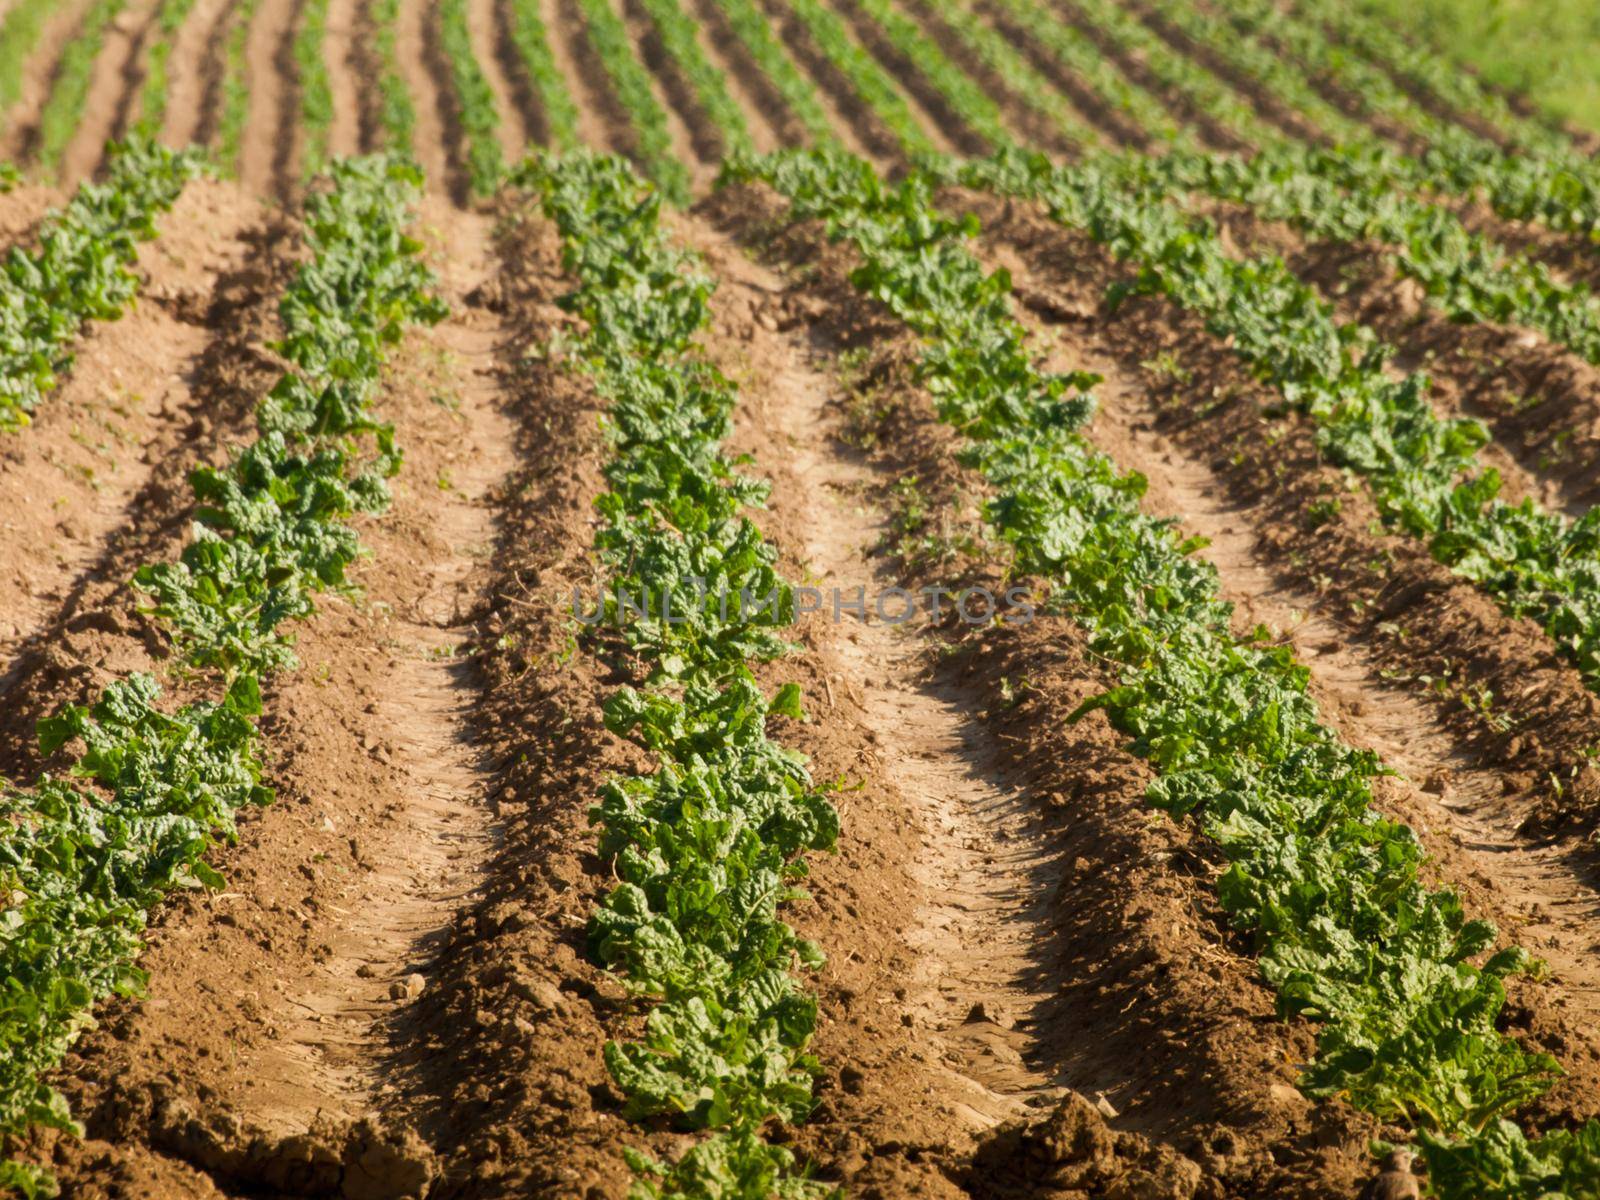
(694, 133)
(90, 482)
(1031, 990)
(21, 211)
(1536, 397)
(1212, 132)
(118, 72)
(1350, 105)
(522, 96)
(436, 139)
(1293, 123)
(696, 141)
(195, 74)
(352, 78)
(494, 52)
(1541, 400)
(267, 157)
(1427, 100)
(1043, 891)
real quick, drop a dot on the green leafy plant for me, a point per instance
(153, 88)
(235, 86)
(970, 102)
(316, 90)
(1405, 989)
(533, 46)
(609, 37)
(480, 116)
(87, 856)
(1422, 469)
(82, 270)
(877, 89)
(397, 115)
(706, 846)
(680, 34)
(751, 26)
(69, 87)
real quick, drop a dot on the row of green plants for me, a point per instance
(1557, 186)
(20, 31)
(1350, 193)
(475, 102)
(397, 115)
(706, 846)
(62, 115)
(877, 89)
(1070, 47)
(1344, 196)
(1199, 87)
(316, 89)
(81, 270)
(532, 40)
(751, 26)
(1279, 77)
(1422, 469)
(966, 99)
(235, 85)
(90, 851)
(1434, 75)
(1404, 989)
(680, 34)
(153, 89)
(608, 35)
(1263, 44)
(995, 52)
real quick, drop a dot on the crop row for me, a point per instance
(609, 37)
(1434, 75)
(90, 852)
(1077, 53)
(19, 34)
(532, 40)
(1401, 984)
(1357, 193)
(397, 115)
(680, 34)
(235, 85)
(82, 270)
(995, 52)
(153, 89)
(706, 846)
(1557, 186)
(877, 89)
(316, 89)
(1180, 73)
(753, 29)
(1333, 195)
(69, 86)
(966, 99)
(1422, 468)
(480, 116)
